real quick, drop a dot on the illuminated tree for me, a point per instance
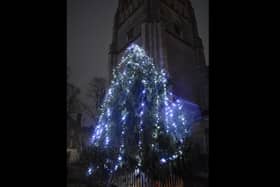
(142, 126)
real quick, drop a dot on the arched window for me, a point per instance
(130, 34)
(178, 30)
(185, 12)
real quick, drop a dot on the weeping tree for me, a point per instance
(142, 125)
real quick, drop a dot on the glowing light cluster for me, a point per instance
(91, 170)
(139, 97)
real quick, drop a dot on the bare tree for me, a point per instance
(96, 91)
(73, 93)
(73, 101)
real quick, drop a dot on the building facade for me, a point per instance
(167, 30)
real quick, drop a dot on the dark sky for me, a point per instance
(89, 33)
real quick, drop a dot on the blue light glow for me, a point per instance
(174, 156)
(108, 112)
(162, 161)
(90, 170)
(123, 118)
(107, 140)
(137, 171)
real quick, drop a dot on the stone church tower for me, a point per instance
(167, 30)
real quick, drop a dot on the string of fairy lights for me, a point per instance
(138, 82)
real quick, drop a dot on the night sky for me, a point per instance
(89, 34)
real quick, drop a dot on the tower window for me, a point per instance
(178, 30)
(185, 12)
(130, 34)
